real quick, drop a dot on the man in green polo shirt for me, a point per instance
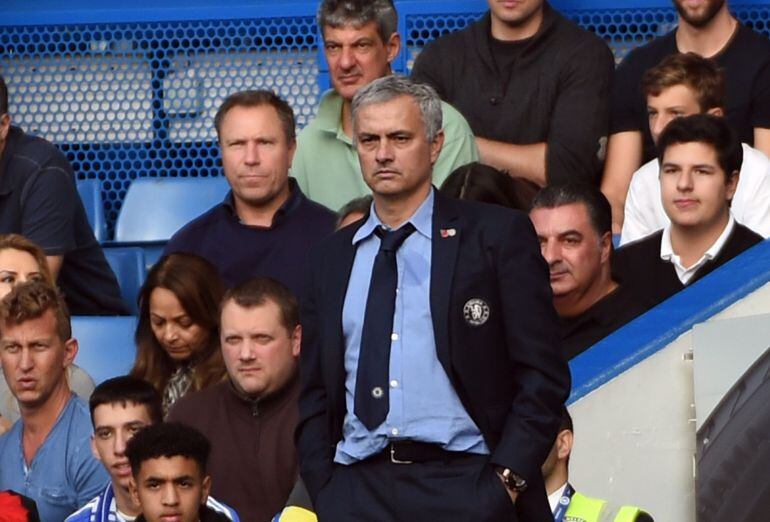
(360, 42)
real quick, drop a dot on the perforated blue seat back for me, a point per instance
(90, 191)
(105, 345)
(155, 208)
(128, 263)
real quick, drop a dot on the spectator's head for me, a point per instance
(20, 261)
(573, 223)
(257, 143)
(515, 20)
(178, 317)
(168, 466)
(360, 41)
(5, 117)
(700, 160)
(397, 130)
(353, 211)
(479, 182)
(699, 14)
(556, 465)
(120, 407)
(682, 85)
(36, 345)
(260, 336)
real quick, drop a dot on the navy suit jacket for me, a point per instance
(509, 372)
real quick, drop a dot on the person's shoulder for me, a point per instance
(455, 40)
(651, 53)
(454, 123)
(579, 39)
(188, 408)
(743, 237)
(641, 249)
(317, 211)
(750, 41)
(647, 172)
(195, 230)
(87, 511)
(35, 149)
(79, 420)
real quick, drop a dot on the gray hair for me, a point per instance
(387, 88)
(338, 13)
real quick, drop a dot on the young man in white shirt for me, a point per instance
(700, 166)
(682, 85)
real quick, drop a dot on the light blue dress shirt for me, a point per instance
(423, 404)
(63, 475)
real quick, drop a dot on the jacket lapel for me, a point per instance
(446, 241)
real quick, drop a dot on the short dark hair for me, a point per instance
(565, 422)
(127, 390)
(32, 299)
(337, 13)
(360, 205)
(257, 98)
(478, 182)
(166, 440)
(257, 291)
(702, 75)
(708, 129)
(3, 97)
(599, 210)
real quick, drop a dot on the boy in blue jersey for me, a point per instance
(120, 407)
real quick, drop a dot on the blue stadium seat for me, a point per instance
(128, 263)
(90, 191)
(106, 345)
(154, 208)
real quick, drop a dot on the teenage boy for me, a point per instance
(700, 161)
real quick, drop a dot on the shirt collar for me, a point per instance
(555, 497)
(422, 220)
(667, 251)
(292, 202)
(329, 115)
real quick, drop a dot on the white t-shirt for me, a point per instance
(644, 212)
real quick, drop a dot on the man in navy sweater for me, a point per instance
(265, 226)
(700, 160)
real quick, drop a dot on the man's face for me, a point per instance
(170, 489)
(256, 155)
(692, 186)
(35, 359)
(675, 102)
(514, 12)
(395, 154)
(357, 56)
(574, 251)
(114, 425)
(698, 13)
(259, 353)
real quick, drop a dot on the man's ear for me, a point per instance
(132, 489)
(564, 441)
(606, 246)
(435, 147)
(205, 488)
(5, 126)
(70, 351)
(296, 340)
(732, 184)
(716, 111)
(393, 46)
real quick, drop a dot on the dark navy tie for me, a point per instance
(371, 400)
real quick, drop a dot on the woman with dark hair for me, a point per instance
(177, 337)
(479, 182)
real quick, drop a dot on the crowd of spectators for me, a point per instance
(285, 371)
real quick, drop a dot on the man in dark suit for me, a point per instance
(700, 162)
(431, 365)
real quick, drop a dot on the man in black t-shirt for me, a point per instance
(39, 199)
(533, 86)
(572, 222)
(708, 30)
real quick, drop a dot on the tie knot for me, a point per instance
(391, 240)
